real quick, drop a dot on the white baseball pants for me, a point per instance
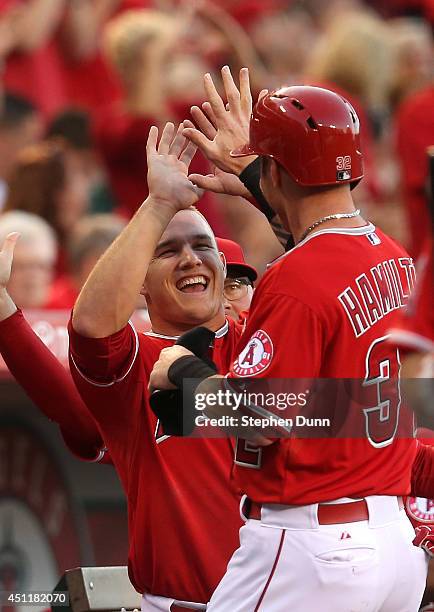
(287, 562)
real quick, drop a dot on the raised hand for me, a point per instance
(6, 258)
(168, 163)
(7, 306)
(231, 122)
(219, 181)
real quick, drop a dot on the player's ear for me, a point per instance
(223, 260)
(144, 291)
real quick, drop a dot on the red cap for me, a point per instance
(235, 258)
(314, 133)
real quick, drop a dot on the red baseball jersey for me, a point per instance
(414, 329)
(183, 514)
(414, 133)
(322, 311)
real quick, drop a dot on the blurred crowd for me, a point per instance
(82, 81)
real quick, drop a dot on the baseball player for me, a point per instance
(413, 333)
(325, 517)
(238, 285)
(183, 517)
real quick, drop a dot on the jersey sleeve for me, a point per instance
(103, 361)
(59, 401)
(283, 339)
(414, 330)
(110, 379)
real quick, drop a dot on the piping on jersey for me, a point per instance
(349, 231)
(218, 334)
(116, 380)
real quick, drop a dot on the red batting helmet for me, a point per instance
(235, 258)
(312, 132)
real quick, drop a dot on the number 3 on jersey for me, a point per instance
(382, 397)
(382, 377)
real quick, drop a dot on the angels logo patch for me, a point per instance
(420, 509)
(256, 355)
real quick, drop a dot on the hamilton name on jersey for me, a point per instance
(372, 295)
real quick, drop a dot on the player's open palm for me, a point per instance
(168, 163)
(231, 122)
(219, 181)
(7, 257)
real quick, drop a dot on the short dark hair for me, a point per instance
(73, 126)
(14, 110)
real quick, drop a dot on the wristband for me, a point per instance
(175, 408)
(175, 415)
(250, 178)
(189, 366)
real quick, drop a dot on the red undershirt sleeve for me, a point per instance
(32, 364)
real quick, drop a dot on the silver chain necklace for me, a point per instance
(328, 218)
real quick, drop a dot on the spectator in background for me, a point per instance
(91, 84)
(137, 45)
(33, 66)
(52, 51)
(158, 85)
(213, 34)
(238, 286)
(414, 134)
(91, 237)
(34, 260)
(284, 41)
(43, 182)
(7, 31)
(72, 127)
(364, 81)
(412, 99)
(20, 126)
(365, 38)
(412, 41)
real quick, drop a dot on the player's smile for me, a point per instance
(193, 284)
(194, 288)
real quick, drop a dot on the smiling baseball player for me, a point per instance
(176, 489)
